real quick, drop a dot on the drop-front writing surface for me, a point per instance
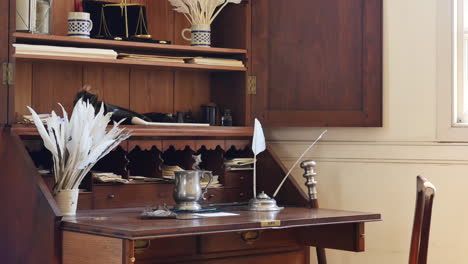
(244, 237)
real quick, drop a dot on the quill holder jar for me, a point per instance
(200, 35)
(67, 201)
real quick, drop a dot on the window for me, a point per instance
(461, 62)
(452, 70)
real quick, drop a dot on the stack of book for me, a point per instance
(216, 61)
(214, 183)
(43, 50)
(168, 171)
(239, 164)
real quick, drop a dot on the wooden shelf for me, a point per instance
(163, 131)
(138, 63)
(27, 38)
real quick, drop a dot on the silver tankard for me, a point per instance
(187, 189)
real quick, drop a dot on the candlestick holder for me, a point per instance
(309, 175)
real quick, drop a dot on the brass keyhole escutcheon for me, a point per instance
(250, 237)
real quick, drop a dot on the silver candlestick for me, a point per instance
(309, 175)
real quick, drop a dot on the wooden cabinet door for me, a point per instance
(317, 63)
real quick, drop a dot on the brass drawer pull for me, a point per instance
(111, 196)
(250, 236)
(141, 246)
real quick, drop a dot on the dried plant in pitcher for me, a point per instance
(201, 12)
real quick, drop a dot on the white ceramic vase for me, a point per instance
(200, 35)
(67, 201)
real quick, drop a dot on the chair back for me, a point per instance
(422, 221)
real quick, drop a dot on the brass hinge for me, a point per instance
(8, 74)
(252, 85)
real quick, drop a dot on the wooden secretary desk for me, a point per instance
(308, 63)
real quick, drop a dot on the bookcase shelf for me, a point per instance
(162, 131)
(136, 63)
(27, 38)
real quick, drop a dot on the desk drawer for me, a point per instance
(162, 250)
(226, 195)
(132, 195)
(288, 257)
(267, 239)
(237, 178)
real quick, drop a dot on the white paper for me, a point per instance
(216, 214)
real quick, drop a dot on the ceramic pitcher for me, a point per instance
(201, 35)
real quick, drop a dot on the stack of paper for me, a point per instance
(27, 119)
(43, 50)
(216, 62)
(214, 183)
(106, 177)
(239, 164)
(127, 56)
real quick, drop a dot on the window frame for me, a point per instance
(448, 98)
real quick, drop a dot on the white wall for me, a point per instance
(375, 169)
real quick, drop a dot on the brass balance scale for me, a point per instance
(141, 30)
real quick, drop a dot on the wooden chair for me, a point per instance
(422, 221)
(421, 226)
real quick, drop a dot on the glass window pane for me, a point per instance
(465, 11)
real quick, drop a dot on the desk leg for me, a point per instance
(128, 254)
(321, 256)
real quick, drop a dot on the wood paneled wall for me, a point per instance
(163, 22)
(142, 90)
(230, 29)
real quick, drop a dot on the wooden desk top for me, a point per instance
(125, 223)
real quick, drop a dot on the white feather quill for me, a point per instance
(258, 142)
(258, 146)
(297, 162)
(78, 143)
